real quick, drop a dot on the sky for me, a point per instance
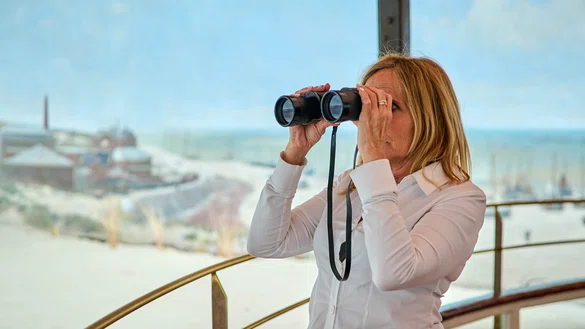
(154, 65)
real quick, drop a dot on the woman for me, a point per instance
(416, 217)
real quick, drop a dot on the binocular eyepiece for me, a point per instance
(333, 106)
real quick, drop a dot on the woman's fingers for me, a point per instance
(380, 102)
(321, 88)
(384, 100)
(367, 101)
(324, 124)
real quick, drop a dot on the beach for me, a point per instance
(65, 281)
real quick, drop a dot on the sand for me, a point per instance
(66, 282)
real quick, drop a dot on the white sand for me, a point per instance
(60, 202)
(69, 283)
(256, 176)
(65, 282)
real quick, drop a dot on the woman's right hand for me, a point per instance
(303, 137)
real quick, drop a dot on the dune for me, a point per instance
(254, 175)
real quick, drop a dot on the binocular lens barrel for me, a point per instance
(298, 110)
(341, 105)
(333, 106)
(286, 111)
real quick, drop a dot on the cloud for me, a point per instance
(519, 24)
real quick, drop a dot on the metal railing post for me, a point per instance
(393, 26)
(511, 320)
(219, 311)
(498, 262)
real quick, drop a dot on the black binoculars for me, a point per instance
(333, 106)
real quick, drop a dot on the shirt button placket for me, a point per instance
(335, 285)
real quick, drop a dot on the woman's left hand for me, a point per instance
(374, 123)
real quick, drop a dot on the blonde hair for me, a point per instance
(438, 128)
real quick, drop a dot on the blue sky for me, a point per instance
(186, 64)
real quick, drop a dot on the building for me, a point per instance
(114, 137)
(132, 160)
(40, 165)
(73, 138)
(15, 139)
(74, 153)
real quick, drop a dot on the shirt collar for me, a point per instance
(435, 173)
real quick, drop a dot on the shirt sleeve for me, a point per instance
(277, 231)
(441, 241)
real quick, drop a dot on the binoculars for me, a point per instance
(333, 106)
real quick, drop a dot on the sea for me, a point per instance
(535, 158)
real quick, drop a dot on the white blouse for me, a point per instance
(413, 242)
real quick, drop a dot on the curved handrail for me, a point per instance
(510, 301)
(134, 305)
(528, 245)
(167, 288)
(277, 313)
(534, 202)
(468, 305)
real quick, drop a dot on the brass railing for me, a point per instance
(219, 297)
(506, 307)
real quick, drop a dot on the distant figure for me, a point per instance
(564, 188)
(527, 235)
(417, 216)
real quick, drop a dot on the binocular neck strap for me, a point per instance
(348, 230)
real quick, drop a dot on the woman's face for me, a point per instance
(401, 127)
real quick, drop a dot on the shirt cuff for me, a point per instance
(373, 179)
(286, 176)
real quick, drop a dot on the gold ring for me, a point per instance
(382, 102)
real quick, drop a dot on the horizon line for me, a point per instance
(275, 128)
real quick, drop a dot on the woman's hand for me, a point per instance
(303, 137)
(374, 123)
